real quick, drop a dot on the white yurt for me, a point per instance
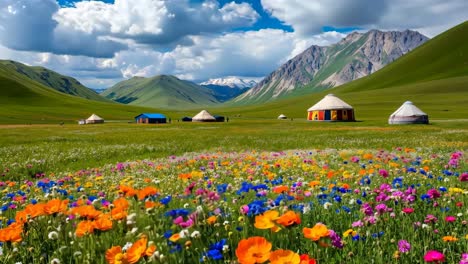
(203, 116)
(94, 119)
(331, 108)
(282, 116)
(408, 113)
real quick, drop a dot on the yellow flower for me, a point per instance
(266, 220)
(349, 232)
(281, 256)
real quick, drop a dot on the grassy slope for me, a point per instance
(433, 76)
(53, 80)
(162, 91)
(27, 101)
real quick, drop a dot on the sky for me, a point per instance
(103, 42)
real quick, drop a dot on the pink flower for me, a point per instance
(433, 193)
(408, 210)
(464, 177)
(383, 173)
(464, 259)
(434, 256)
(450, 219)
(244, 209)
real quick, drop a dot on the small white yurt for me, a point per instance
(408, 113)
(203, 116)
(282, 116)
(94, 119)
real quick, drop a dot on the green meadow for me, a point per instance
(72, 147)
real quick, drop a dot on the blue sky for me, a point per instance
(101, 44)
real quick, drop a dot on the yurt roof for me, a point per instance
(94, 117)
(203, 115)
(329, 102)
(408, 109)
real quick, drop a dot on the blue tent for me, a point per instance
(150, 118)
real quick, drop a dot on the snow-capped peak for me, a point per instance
(231, 81)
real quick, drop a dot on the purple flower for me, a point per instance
(404, 246)
(358, 223)
(430, 219)
(336, 239)
(381, 208)
(464, 177)
(383, 173)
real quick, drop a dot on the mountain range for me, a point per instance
(319, 68)
(228, 87)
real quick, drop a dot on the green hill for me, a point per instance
(23, 101)
(53, 80)
(434, 76)
(162, 91)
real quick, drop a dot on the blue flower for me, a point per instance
(166, 200)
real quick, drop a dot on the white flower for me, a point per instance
(327, 205)
(186, 205)
(460, 214)
(195, 234)
(55, 261)
(77, 254)
(127, 246)
(53, 235)
(225, 248)
(184, 233)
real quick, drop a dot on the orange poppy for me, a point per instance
(289, 218)
(114, 255)
(103, 223)
(212, 219)
(150, 250)
(253, 250)
(21, 217)
(55, 206)
(280, 189)
(314, 183)
(150, 204)
(174, 237)
(316, 232)
(118, 213)
(84, 228)
(127, 190)
(122, 203)
(137, 250)
(266, 220)
(35, 210)
(11, 233)
(449, 239)
(86, 211)
(281, 256)
(147, 191)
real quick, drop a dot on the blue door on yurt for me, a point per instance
(327, 115)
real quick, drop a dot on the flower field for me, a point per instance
(319, 206)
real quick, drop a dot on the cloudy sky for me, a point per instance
(103, 42)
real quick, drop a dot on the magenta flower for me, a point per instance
(408, 210)
(464, 259)
(464, 177)
(404, 246)
(434, 256)
(383, 173)
(450, 219)
(433, 193)
(336, 239)
(381, 208)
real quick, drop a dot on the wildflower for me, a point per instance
(103, 223)
(114, 255)
(450, 219)
(408, 210)
(139, 249)
(55, 206)
(404, 246)
(305, 259)
(464, 259)
(212, 219)
(55, 261)
(434, 256)
(430, 219)
(289, 218)
(449, 239)
(84, 228)
(281, 256)
(349, 232)
(464, 177)
(316, 232)
(253, 250)
(216, 250)
(336, 239)
(53, 235)
(266, 220)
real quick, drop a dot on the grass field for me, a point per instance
(73, 147)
